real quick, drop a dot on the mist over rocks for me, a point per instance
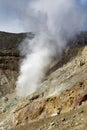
(54, 23)
(9, 53)
(62, 92)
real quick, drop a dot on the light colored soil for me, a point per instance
(73, 120)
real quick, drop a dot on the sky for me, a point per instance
(14, 17)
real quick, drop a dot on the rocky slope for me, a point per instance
(60, 103)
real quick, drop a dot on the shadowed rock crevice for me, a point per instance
(72, 50)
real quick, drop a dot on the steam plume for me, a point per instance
(54, 23)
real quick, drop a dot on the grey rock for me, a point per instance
(4, 99)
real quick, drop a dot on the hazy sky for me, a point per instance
(13, 16)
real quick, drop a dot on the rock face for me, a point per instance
(61, 100)
(9, 60)
(9, 57)
(8, 70)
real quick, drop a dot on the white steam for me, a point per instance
(54, 23)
